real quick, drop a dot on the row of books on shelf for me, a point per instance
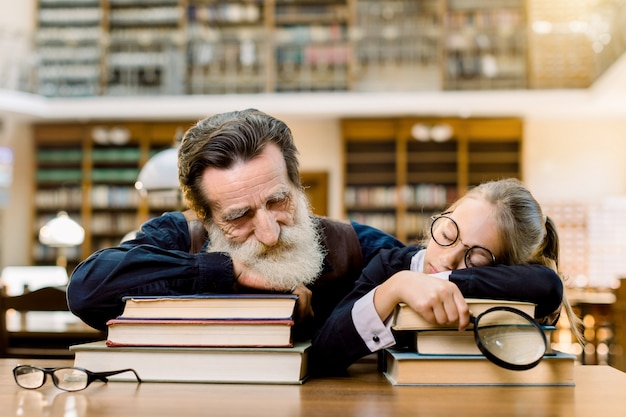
(127, 175)
(414, 224)
(110, 154)
(429, 195)
(114, 196)
(248, 339)
(108, 222)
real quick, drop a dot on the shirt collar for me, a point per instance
(417, 261)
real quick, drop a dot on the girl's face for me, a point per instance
(477, 227)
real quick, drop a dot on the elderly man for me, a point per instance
(249, 228)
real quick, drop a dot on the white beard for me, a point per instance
(296, 259)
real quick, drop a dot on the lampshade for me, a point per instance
(160, 173)
(61, 232)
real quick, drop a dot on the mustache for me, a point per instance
(295, 259)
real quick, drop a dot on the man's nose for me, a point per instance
(266, 228)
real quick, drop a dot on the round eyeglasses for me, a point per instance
(67, 378)
(445, 232)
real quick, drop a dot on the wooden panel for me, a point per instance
(494, 129)
(58, 133)
(316, 187)
(369, 129)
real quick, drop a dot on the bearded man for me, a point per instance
(249, 228)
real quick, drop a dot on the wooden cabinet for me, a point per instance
(89, 171)
(400, 171)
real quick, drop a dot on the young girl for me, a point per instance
(495, 242)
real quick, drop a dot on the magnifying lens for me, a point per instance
(509, 338)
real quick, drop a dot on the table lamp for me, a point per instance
(160, 173)
(61, 232)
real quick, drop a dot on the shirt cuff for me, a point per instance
(443, 275)
(375, 333)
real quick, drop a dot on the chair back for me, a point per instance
(49, 342)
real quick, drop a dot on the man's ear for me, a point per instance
(197, 232)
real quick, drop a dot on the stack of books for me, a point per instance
(442, 355)
(202, 338)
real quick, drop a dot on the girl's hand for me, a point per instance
(438, 300)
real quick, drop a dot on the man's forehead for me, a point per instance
(249, 194)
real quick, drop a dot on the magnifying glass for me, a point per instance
(509, 338)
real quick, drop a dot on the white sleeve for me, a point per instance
(375, 333)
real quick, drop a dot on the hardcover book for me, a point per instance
(452, 341)
(265, 365)
(211, 306)
(186, 332)
(405, 367)
(405, 318)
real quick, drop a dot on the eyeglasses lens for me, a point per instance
(70, 379)
(444, 231)
(477, 256)
(27, 377)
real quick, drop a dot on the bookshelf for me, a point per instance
(228, 47)
(145, 47)
(148, 47)
(395, 182)
(89, 170)
(485, 45)
(310, 48)
(69, 45)
(145, 50)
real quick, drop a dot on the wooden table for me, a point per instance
(599, 391)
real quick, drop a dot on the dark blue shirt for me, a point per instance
(158, 262)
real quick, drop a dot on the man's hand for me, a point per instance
(247, 277)
(303, 306)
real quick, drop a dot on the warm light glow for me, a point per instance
(61, 232)
(420, 132)
(440, 132)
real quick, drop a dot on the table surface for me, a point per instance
(599, 391)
